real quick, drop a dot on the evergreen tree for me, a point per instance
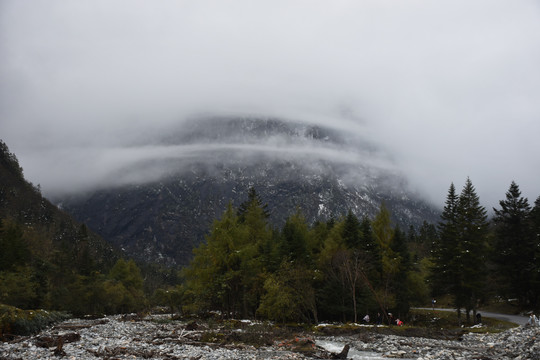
(514, 247)
(227, 272)
(372, 252)
(402, 286)
(254, 222)
(214, 278)
(351, 230)
(459, 255)
(534, 221)
(426, 239)
(13, 248)
(471, 250)
(124, 288)
(384, 233)
(289, 295)
(294, 242)
(253, 200)
(334, 293)
(444, 271)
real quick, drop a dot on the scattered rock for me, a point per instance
(150, 338)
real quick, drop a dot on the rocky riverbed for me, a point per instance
(157, 337)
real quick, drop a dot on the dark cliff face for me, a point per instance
(162, 221)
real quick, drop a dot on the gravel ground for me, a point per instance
(153, 338)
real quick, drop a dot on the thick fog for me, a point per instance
(442, 89)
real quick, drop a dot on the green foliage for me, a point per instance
(279, 302)
(18, 288)
(514, 240)
(127, 273)
(123, 288)
(13, 248)
(14, 321)
(225, 273)
(289, 295)
(47, 260)
(351, 230)
(335, 270)
(9, 161)
(171, 297)
(444, 249)
(460, 256)
(390, 260)
(294, 244)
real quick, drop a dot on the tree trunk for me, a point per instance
(354, 306)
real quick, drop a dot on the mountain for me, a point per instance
(22, 205)
(48, 231)
(321, 171)
(44, 253)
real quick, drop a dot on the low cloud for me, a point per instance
(442, 90)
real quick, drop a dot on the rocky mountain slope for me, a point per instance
(41, 247)
(320, 171)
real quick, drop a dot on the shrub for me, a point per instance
(14, 321)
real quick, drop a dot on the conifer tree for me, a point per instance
(294, 242)
(402, 286)
(444, 249)
(214, 276)
(471, 250)
(384, 233)
(514, 247)
(534, 221)
(459, 255)
(372, 251)
(253, 200)
(351, 230)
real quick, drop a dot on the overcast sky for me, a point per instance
(449, 89)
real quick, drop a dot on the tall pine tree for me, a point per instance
(444, 247)
(534, 221)
(514, 248)
(471, 248)
(459, 256)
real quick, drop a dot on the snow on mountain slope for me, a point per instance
(211, 162)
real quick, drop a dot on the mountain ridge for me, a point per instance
(164, 220)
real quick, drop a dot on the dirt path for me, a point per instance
(516, 319)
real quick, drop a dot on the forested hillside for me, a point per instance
(48, 260)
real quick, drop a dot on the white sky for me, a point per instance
(449, 88)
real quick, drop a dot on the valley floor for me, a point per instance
(157, 337)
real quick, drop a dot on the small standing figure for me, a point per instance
(379, 318)
(533, 321)
(478, 318)
(433, 301)
(366, 319)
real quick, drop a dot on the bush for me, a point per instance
(14, 321)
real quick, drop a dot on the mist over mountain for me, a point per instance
(165, 198)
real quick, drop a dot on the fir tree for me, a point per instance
(384, 233)
(402, 286)
(444, 248)
(372, 251)
(351, 230)
(514, 247)
(471, 250)
(294, 242)
(254, 200)
(534, 221)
